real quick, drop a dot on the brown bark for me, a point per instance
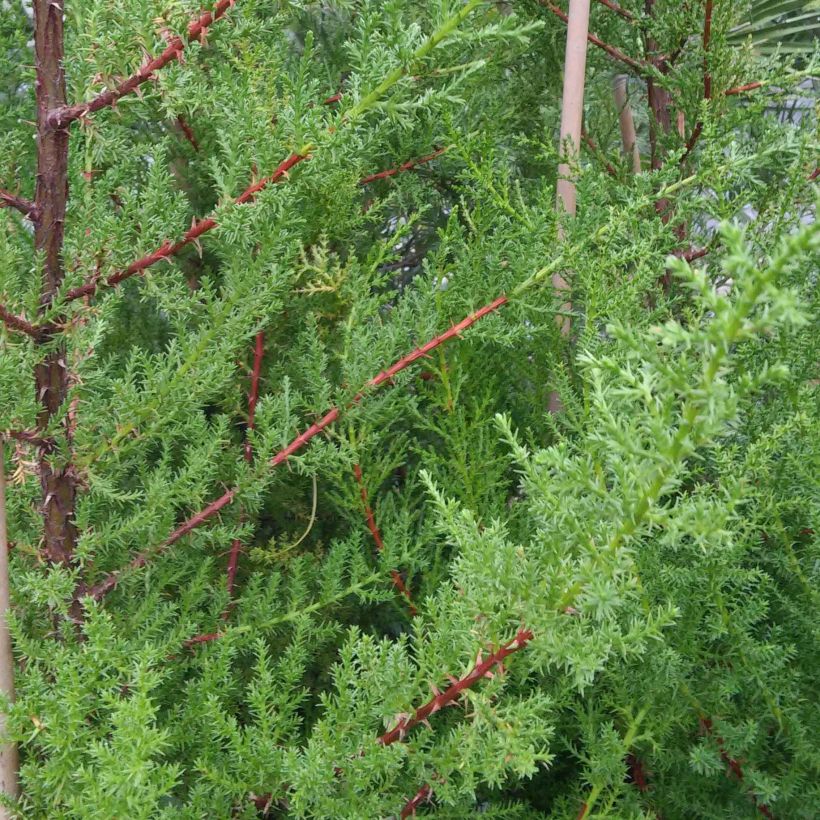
(51, 195)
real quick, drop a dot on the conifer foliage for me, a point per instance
(292, 531)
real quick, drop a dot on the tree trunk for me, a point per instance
(51, 375)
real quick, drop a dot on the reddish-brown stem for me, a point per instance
(18, 323)
(409, 810)
(637, 773)
(253, 392)
(613, 52)
(814, 174)
(621, 12)
(188, 132)
(592, 145)
(253, 397)
(707, 78)
(733, 765)
(168, 249)
(100, 589)
(333, 99)
(482, 669)
(398, 581)
(407, 166)
(29, 437)
(66, 114)
(25, 206)
(692, 254)
(742, 89)
(109, 583)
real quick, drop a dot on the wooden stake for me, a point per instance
(9, 764)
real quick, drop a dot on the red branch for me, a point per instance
(592, 145)
(19, 323)
(597, 41)
(25, 206)
(398, 582)
(627, 15)
(482, 669)
(814, 174)
(253, 393)
(61, 117)
(167, 249)
(692, 254)
(407, 166)
(110, 581)
(742, 89)
(188, 132)
(253, 397)
(637, 773)
(707, 78)
(732, 764)
(409, 810)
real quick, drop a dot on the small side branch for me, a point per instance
(742, 89)
(422, 795)
(398, 581)
(62, 117)
(621, 12)
(169, 249)
(253, 398)
(732, 765)
(19, 323)
(707, 78)
(25, 206)
(613, 52)
(111, 581)
(593, 147)
(482, 669)
(407, 166)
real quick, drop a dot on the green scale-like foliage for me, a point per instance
(657, 535)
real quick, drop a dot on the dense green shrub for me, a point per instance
(648, 555)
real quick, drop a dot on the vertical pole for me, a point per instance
(628, 136)
(572, 111)
(572, 104)
(8, 751)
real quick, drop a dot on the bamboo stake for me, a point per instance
(572, 112)
(9, 764)
(628, 135)
(572, 105)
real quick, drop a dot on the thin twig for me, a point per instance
(742, 89)
(707, 79)
(593, 146)
(253, 397)
(18, 323)
(622, 12)
(64, 116)
(398, 581)
(407, 166)
(168, 249)
(615, 53)
(424, 793)
(482, 669)
(25, 206)
(110, 581)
